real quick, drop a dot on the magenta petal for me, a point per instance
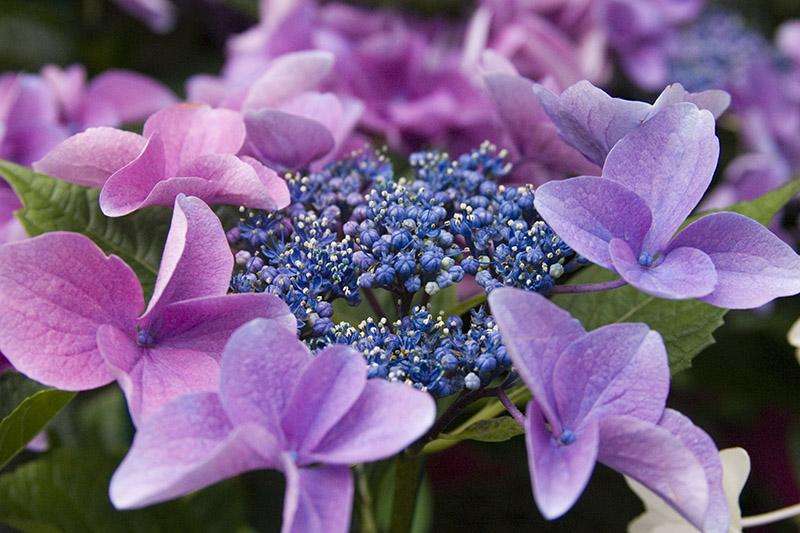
(89, 158)
(588, 212)
(717, 517)
(188, 339)
(753, 266)
(668, 161)
(279, 190)
(318, 499)
(57, 290)
(327, 390)
(657, 459)
(192, 130)
(214, 178)
(126, 95)
(684, 273)
(589, 119)
(288, 140)
(126, 190)
(535, 332)
(559, 473)
(261, 365)
(375, 427)
(188, 445)
(620, 369)
(153, 377)
(197, 260)
(287, 76)
(204, 324)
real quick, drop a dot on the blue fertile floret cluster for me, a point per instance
(355, 229)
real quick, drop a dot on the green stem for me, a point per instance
(367, 508)
(408, 475)
(462, 307)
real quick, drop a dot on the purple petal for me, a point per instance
(287, 140)
(684, 273)
(589, 119)
(533, 133)
(668, 161)
(657, 459)
(123, 96)
(753, 266)
(715, 101)
(261, 365)
(57, 289)
(191, 130)
(159, 15)
(327, 390)
(197, 260)
(374, 428)
(68, 85)
(318, 499)
(695, 439)
(620, 369)
(288, 76)
(153, 377)
(559, 473)
(89, 158)
(588, 212)
(188, 445)
(535, 332)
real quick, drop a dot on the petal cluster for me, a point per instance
(185, 148)
(652, 179)
(78, 322)
(278, 407)
(600, 397)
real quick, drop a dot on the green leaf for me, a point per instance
(493, 430)
(687, 326)
(67, 490)
(14, 388)
(28, 419)
(54, 205)
(762, 209)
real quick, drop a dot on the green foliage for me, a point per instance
(686, 325)
(493, 430)
(29, 416)
(53, 205)
(67, 490)
(762, 209)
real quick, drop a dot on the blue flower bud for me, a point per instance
(384, 275)
(366, 280)
(324, 309)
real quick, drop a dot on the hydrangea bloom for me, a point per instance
(600, 396)
(625, 220)
(660, 518)
(278, 407)
(186, 148)
(77, 324)
(37, 112)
